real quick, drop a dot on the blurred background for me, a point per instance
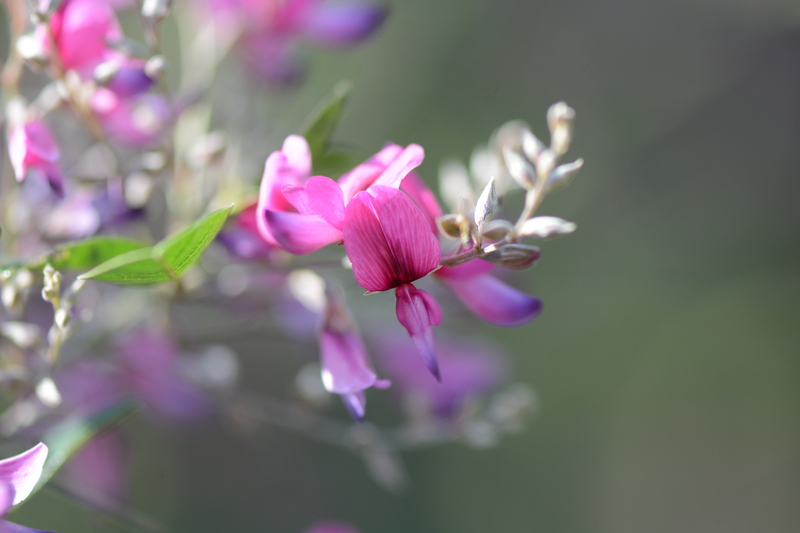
(667, 360)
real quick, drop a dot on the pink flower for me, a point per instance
(473, 284)
(81, 31)
(137, 121)
(302, 214)
(390, 245)
(18, 477)
(271, 29)
(346, 369)
(32, 148)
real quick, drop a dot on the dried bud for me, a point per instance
(559, 119)
(496, 230)
(514, 256)
(450, 225)
(519, 168)
(546, 227)
(562, 175)
(487, 205)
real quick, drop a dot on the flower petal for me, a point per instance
(415, 188)
(356, 404)
(300, 234)
(417, 311)
(387, 239)
(343, 24)
(345, 367)
(371, 170)
(23, 471)
(321, 196)
(410, 158)
(11, 527)
(493, 300)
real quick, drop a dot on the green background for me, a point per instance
(668, 355)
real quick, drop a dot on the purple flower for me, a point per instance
(137, 121)
(81, 31)
(271, 29)
(472, 370)
(18, 477)
(242, 239)
(32, 149)
(390, 245)
(346, 369)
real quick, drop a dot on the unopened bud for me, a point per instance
(487, 204)
(156, 10)
(23, 334)
(562, 175)
(496, 230)
(30, 49)
(47, 392)
(519, 168)
(450, 226)
(531, 145)
(61, 318)
(559, 119)
(514, 256)
(155, 67)
(546, 227)
(105, 72)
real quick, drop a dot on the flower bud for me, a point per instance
(155, 67)
(31, 50)
(514, 256)
(546, 227)
(496, 230)
(559, 119)
(487, 205)
(519, 168)
(532, 147)
(450, 225)
(562, 175)
(156, 10)
(23, 334)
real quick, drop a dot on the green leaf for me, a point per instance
(66, 438)
(167, 260)
(319, 128)
(180, 251)
(86, 254)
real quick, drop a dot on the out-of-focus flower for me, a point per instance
(346, 369)
(87, 211)
(18, 476)
(471, 370)
(136, 121)
(98, 473)
(242, 240)
(331, 527)
(81, 31)
(271, 29)
(302, 214)
(390, 245)
(32, 149)
(483, 294)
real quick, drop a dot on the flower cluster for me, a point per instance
(118, 179)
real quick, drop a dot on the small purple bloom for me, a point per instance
(32, 148)
(138, 121)
(346, 369)
(18, 477)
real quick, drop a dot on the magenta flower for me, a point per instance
(32, 149)
(137, 121)
(81, 31)
(479, 291)
(390, 245)
(346, 369)
(302, 214)
(18, 477)
(242, 240)
(270, 30)
(472, 371)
